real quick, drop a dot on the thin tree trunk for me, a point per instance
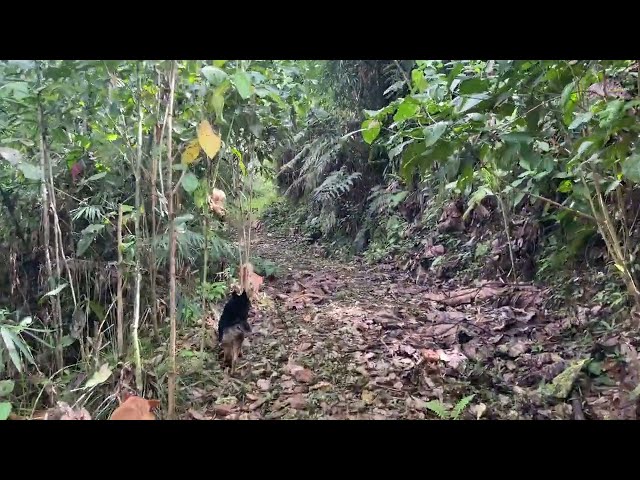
(172, 251)
(45, 195)
(155, 153)
(120, 308)
(136, 218)
(205, 231)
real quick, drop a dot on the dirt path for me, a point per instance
(336, 340)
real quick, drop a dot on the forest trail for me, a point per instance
(336, 340)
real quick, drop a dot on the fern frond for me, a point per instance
(335, 185)
(327, 220)
(438, 408)
(461, 405)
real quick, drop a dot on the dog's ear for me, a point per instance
(153, 404)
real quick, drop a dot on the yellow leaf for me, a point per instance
(190, 153)
(209, 141)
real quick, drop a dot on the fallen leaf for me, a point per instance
(198, 415)
(264, 384)
(222, 409)
(258, 403)
(563, 384)
(430, 355)
(454, 357)
(517, 349)
(320, 386)
(367, 397)
(297, 402)
(304, 376)
(478, 410)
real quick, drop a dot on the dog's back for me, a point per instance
(235, 312)
(135, 408)
(233, 326)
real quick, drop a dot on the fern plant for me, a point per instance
(445, 413)
(335, 185)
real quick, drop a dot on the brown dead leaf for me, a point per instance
(297, 402)
(291, 368)
(304, 376)
(453, 358)
(288, 385)
(264, 384)
(430, 355)
(517, 349)
(434, 251)
(258, 403)
(466, 295)
(321, 385)
(196, 415)
(222, 410)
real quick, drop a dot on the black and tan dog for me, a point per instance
(233, 326)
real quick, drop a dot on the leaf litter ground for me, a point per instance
(338, 340)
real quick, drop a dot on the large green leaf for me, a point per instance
(22, 346)
(473, 85)
(517, 137)
(189, 182)
(11, 155)
(56, 290)
(5, 410)
(216, 102)
(410, 160)
(84, 243)
(566, 95)
(465, 103)
(418, 80)
(94, 228)
(432, 133)
(455, 71)
(17, 90)
(407, 109)
(631, 168)
(32, 172)
(6, 387)
(580, 119)
(214, 75)
(7, 338)
(371, 130)
(101, 376)
(242, 83)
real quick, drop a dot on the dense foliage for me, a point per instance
(537, 159)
